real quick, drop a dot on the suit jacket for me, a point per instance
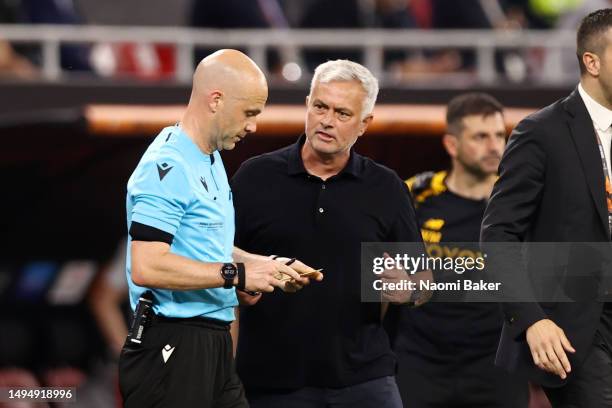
(550, 189)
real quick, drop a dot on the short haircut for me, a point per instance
(345, 70)
(474, 103)
(589, 35)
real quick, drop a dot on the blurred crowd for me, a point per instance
(157, 61)
(63, 325)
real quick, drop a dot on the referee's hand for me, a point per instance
(265, 275)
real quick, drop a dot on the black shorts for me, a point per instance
(181, 363)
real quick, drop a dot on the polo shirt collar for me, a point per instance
(295, 163)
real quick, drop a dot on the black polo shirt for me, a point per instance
(448, 333)
(322, 336)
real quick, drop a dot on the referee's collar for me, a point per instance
(295, 164)
(188, 146)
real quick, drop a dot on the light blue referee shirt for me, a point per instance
(179, 189)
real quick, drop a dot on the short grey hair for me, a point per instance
(345, 70)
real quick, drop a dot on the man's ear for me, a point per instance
(451, 144)
(592, 63)
(365, 122)
(215, 100)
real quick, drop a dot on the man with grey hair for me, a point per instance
(317, 200)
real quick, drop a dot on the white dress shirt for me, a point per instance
(602, 119)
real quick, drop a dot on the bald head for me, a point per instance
(229, 92)
(228, 71)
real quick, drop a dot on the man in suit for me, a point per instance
(554, 186)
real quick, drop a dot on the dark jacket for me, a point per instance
(550, 189)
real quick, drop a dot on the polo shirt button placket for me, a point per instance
(321, 209)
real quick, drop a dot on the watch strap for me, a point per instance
(241, 276)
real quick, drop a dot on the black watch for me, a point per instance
(229, 271)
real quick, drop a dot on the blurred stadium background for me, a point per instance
(85, 84)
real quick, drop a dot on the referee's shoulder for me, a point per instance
(168, 142)
(162, 154)
(165, 147)
(426, 184)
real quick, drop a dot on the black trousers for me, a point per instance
(181, 363)
(590, 385)
(475, 383)
(377, 393)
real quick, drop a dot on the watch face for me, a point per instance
(229, 271)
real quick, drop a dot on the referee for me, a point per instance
(181, 259)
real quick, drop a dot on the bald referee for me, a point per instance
(182, 268)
